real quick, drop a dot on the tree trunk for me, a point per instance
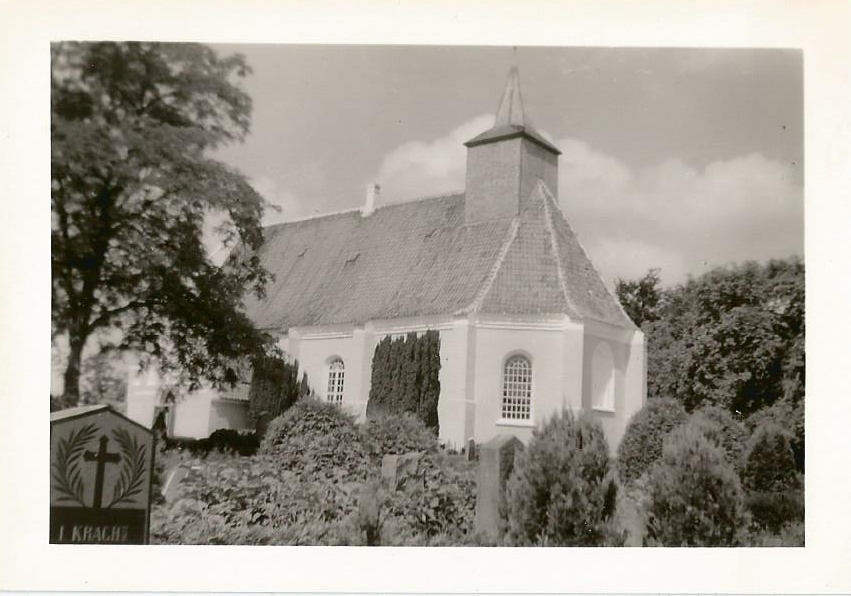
(71, 392)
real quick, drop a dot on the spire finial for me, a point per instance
(510, 111)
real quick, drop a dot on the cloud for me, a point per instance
(428, 168)
(671, 215)
(677, 217)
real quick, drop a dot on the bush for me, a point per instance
(790, 534)
(396, 433)
(274, 388)
(441, 508)
(694, 497)
(230, 440)
(789, 416)
(645, 434)
(561, 491)
(318, 437)
(769, 462)
(723, 430)
(775, 490)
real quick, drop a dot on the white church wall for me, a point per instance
(628, 351)
(543, 342)
(228, 413)
(315, 352)
(192, 414)
(143, 393)
(452, 408)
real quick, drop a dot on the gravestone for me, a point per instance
(496, 460)
(400, 470)
(471, 450)
(101, 466)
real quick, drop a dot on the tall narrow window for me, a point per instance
(336, 374)
(517, 389)
(603, 378)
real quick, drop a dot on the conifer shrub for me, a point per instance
(721, 428)
(694, 497)
(774, 489)
(274, 388)
(562, 490)
(645, 435)
(405, 377)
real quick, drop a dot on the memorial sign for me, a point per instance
(101, 466)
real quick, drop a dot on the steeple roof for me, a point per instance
(510, 111)
(511, 118)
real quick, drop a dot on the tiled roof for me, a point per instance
(420, 258)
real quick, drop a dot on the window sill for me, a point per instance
(603, 409)
(515, 423)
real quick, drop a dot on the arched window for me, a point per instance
(517, 389)
(603, 378)
(336, 374)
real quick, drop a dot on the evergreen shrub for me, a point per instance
(562, 490)
(405, 377)
(274, 388)
(645, 435)
(694, 497)
(774, 488)
(721, 428)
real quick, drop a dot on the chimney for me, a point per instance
(372, 192)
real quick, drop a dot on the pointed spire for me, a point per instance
(510, 111)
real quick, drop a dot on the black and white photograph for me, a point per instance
(348, 294)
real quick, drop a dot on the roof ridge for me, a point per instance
(494, 271)
(458, 193)
(542, 188)
(549, 196)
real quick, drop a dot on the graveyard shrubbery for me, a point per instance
(305, 485)
(318, 437)
(694, 497)
(400, 433)
(562, 491)
(724, 431)
(645, 434)
(436, 510)
(774, 489)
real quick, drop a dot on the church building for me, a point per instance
(527, 326)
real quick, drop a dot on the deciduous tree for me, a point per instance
(132, 184)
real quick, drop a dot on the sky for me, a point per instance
(675, 159)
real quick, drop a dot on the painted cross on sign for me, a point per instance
(101, 467)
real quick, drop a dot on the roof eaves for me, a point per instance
(501, 133)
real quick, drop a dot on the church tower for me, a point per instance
(505, 162)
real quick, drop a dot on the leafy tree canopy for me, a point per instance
(132, 182)
(733, 337)
(641, 298)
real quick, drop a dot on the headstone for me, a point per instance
(496, 460)
(101, 466)
(171, 488)
(471, 450)
(400, 470)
